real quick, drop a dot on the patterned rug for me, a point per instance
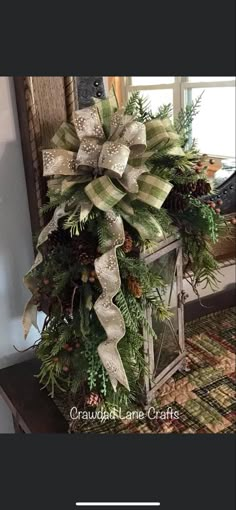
(201, 400)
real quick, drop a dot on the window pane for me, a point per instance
(210, 78)
(214, 126)
(152, 80)
(158, 97)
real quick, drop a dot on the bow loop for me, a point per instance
(88, 153)
(114, 158)
(88, 124)
(59, 162)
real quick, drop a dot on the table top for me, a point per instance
(32, 407)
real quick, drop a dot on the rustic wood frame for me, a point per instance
(43, 103)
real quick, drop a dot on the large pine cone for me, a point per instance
(195, 188)
(176, 201)
(203, 188)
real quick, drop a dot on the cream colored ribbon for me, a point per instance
(108, 313)
(30, 311)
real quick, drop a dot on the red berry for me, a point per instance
(218, 210)
(65, 346)
(70, 349)
(212, 205)
(219, 202)
(199, 163)
(55, 360)
(46, 281)
(77, 345)
(233, 221)
(65, 368)
(198, 170)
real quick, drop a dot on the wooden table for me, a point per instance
(32, 409)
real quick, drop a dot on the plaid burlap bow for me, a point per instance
(106, 150)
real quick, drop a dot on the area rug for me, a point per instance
(201, 400)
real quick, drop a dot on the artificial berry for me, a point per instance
(55, 360)
(198, 170)
(199, 163)
(93, 273)
(212, 161)
(46, 281)
(77, 345)
(218, 210)
(65, 368)
(65, 346)
(233, 221)
(91, 279)
(70, 349)
(212, 205)
(219, 202)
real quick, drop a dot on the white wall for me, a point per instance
(16, 251)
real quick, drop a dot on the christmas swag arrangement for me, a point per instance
(120, 181)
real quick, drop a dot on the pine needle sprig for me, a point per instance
(183, 121)
(139, 107)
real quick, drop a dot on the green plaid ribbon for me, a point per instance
(106, 108)
(153, 190)
(66, 137)
(156, 134)
(161, 133)
(103, 193)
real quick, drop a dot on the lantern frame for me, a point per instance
(153, 383)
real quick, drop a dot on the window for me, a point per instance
(214, 126)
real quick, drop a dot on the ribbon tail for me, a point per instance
(30, 316)
(112, 361)
(30, 312)
(108, 313)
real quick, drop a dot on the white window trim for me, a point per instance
(179, 86)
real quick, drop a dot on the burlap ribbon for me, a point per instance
(109, 315)
(84, 154)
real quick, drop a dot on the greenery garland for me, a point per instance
(67, 285)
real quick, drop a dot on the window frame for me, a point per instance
(180, 85)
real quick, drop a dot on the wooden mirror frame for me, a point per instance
(43, 103)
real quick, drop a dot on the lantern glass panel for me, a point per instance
(166, 344)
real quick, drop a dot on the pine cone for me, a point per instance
(176, 201)
(203, 188)
(86, 258)
(58, 237)
(134, 287)
(85, 248)
(128, 243)
(195, 188)
(93, 399)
